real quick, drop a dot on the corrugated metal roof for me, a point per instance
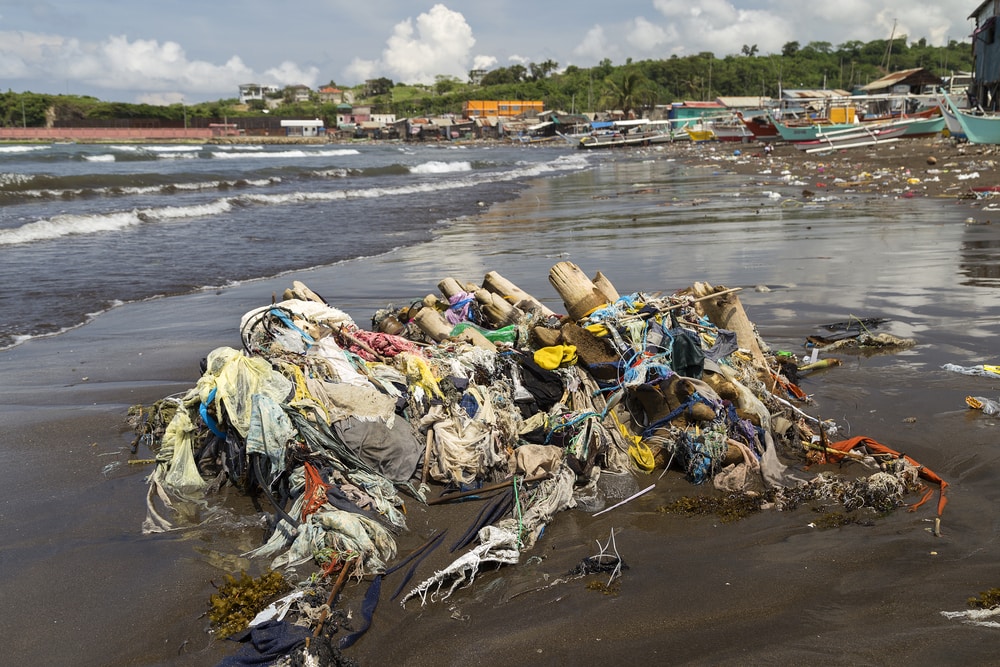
(815, 94)
(916, 76)
(744, 102)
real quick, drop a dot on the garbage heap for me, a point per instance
(482, 386)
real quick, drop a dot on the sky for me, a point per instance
(173, 51)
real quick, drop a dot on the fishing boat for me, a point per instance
(625, 133)
(955, 129)
(854, 137)
(977, 129)
(700, 134)
(760, 127)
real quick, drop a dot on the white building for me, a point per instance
(256, 91)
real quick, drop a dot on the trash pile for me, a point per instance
(484, 388)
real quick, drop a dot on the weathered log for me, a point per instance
(580, 296)
(605, 287)
(451, 287)
(513, 294)
(726, 312)
(496, 309)
(434, 324)
(300, 291)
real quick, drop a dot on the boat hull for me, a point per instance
(977, 129)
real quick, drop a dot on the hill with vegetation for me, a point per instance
(633, 86)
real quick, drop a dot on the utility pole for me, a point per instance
(888, 48)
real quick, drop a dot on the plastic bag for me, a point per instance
(987, 405)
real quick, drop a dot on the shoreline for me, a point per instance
(781, 592)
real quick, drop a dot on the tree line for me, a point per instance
(633, 86)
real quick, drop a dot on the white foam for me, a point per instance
(22, 149)
(438, 167)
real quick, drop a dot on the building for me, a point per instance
(299, 93)
(331, 95)
(985, 89)
(303, 128)
(904, 82)
(502, 108)
(256, 91)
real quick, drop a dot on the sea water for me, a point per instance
(178, 242)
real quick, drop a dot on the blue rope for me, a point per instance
(207, 418)
(676, 412)
(291, 325)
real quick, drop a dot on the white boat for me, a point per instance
(855, 137)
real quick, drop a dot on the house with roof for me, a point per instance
(330, 95)
(299, 93)
(257, 91)
(904, 82)
(985, 88)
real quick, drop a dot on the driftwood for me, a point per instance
(496, 309)
(579, 294)
(434, 324)
(605, 287)
(450, 287)
(726, 312)
(513, 294)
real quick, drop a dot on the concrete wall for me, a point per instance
(103, 133)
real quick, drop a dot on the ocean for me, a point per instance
(85, 228)
(124, 265)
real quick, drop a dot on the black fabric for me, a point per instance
(265, 643)
(545, 386)
(725, 344)
(686, 355)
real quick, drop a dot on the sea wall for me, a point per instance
(85, 134)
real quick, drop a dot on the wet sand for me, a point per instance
(81, 586)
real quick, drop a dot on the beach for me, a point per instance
(808, 239)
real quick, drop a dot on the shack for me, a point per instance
(303, 128)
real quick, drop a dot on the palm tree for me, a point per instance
(628, 92)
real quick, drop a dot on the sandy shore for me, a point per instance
(82, 583)
(911, 167)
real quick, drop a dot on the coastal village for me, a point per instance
(480, 408)
(795, 115)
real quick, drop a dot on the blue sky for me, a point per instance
(181, 51)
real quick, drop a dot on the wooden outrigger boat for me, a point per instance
(977, 129)
(854, 137)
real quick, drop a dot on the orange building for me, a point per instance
(502, 108)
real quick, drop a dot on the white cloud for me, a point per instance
(117, 63)
(483, 62)
(647, 36)
(439, 43)
(290, 74)
(595, 46)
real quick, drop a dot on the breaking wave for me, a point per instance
(438, 167)
(71, 225)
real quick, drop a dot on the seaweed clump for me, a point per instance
(987, 599)
(240, 600)
(729, 508)
(829, 520)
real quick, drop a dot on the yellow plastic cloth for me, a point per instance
(419, 373)
(236, 378)
(639, 451)
(554, 356)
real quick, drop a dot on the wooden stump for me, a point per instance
(434, 324)
(513, 294)
(604, 285)
(496, 309)
(726, 312)
(579, 294)
(451, 287)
